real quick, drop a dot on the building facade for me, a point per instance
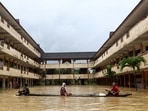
(22, 59)
(128, 40)
(19, 53)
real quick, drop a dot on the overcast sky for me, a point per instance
(70, 25)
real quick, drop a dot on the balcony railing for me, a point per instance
(75, 65)
(17, 73)
(13, 52)
(70, 76)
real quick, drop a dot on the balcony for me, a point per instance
(16, 54)
(126, 69)
(75, 65)
(17, 73)
(70, 76)
(9, 30)
(135, 35)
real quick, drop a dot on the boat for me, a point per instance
(80, 95)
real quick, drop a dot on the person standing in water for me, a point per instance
(63, 90)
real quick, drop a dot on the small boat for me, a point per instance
(80, 95)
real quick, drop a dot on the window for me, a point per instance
(146, 48)
(1, 64)
(131, 53)
(2, 20)
(8, 25)
(127, 34)
(2, 42)
(107, 52)
(117, 43)
(8, 46)
(121, 39)
(137, 52)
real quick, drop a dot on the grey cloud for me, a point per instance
(70, 25)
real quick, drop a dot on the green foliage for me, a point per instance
(133, 62)
(43, 73)
(94, 71)
(56, 71)
(75, 71)
(109, 72)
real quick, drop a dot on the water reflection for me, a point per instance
(136, 102)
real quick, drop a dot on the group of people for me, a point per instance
(63, 92)
(114, 90)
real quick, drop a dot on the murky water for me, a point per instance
(138, 101)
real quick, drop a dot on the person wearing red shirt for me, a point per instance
(115, 90)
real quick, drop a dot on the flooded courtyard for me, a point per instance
(136, 102)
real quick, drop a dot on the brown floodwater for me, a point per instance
(138, 101)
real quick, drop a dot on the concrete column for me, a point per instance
(8, 83)
(146, 79)
(21, 84)
(59, 72)
(88, 72)
(26, 81)
(124, 80)
(31, 82)
(141, 47)
(143, 80)
(129, 80)
(120, 78)
(73, 71)
(3, 82)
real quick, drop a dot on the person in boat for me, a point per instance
(25, 91)
(114, 91)
(63, 90)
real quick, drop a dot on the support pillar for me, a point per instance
(143, 80)
(3, 82)
(129, 81)
(88, 72)
(74, 82)
(32, 82)
(21, 82)
(124, 77)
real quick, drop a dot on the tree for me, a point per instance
(134, 63)
(43, 73)
(109, 73)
